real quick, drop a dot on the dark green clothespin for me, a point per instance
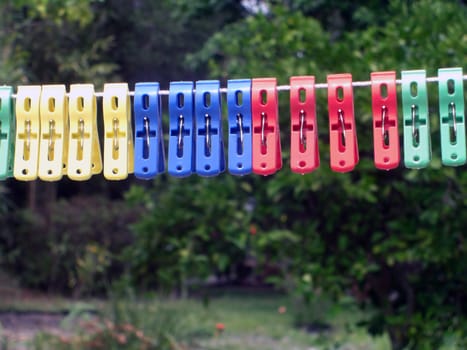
(451, 114)
(7, 132)
(417, 138)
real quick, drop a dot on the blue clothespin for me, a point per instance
(149, 139)
(239, 111)
(181, 113)
(210, 160)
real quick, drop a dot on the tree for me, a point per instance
(92, 41)
(395, 240)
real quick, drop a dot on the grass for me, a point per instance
(250, 320)
(257, 321)
(13, 298)
(260, 323)
(265, 321)
(49, 304)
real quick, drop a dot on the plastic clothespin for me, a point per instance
(27, 132)
(181, 114)
(304, 152)
(84, 152)
(451, 113)
(7, 132)
(118, 138)
(267, 156)
(149, 139)
(210, 159)
(239, 111)
(385, 126)
(417, 139)
(342, 128)
(53, 139)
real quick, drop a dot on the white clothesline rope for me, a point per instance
(286, 87)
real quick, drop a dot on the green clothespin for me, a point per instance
(417, 138)
(7, 132)
(451, 114)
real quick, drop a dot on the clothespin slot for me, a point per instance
(118, 139)
(385, 125)
(342, 129)
(27, 132)
(417, 139)
(181, 137)
(304, 154)
(451, 112)
(84, 152)
(267, 155)
(210, 159)
(239, 118)
(7, 132)
(149, 139)
(53, 149)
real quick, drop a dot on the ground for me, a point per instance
(24, 313)
(232, 320)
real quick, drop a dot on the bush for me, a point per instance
(126, 323)
(395, 240)
(189, 232)
(71, 247)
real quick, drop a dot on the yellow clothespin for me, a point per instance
(84, 152)
(53, 149)
(27, 132)
(118, 137)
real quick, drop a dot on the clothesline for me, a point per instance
(365, 83)
(48, 132)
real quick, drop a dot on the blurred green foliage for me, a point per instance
(394, 241)
(54, 41)
(72, 247)
(190, 230)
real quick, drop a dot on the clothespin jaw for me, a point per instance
(210, 160)
(53, 149)
(385, 125)
(417, 138)
(304, 154)
(451, 113)
(7, 132)
(239, 112)
(149, 139)
(181, 140)
(267, 155)
(84, 152)
(27, 132)
(118, 139)
(342, 129)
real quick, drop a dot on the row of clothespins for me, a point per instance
(49, 133)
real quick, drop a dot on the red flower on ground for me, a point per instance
(253, 230)
(220, 327)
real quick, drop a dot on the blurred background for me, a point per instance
(362, 260)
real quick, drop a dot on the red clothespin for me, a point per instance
(342, 129)
(267, 157)
(385, 131)
(304, 154)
